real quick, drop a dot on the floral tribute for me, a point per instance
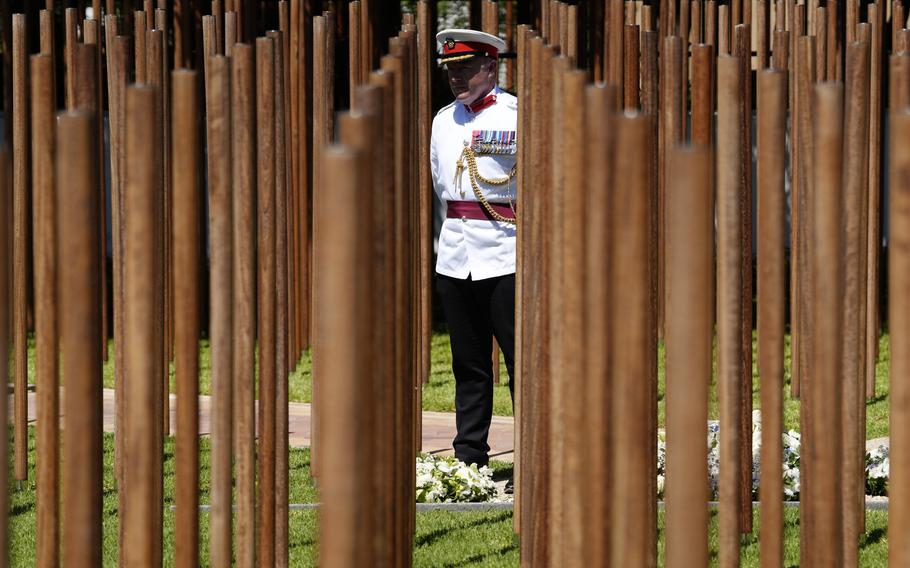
(876, 462)
(445, 479)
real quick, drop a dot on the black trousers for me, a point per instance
(476, 311)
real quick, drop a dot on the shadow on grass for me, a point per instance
(874, 536)
(433, 536)
(479, 558)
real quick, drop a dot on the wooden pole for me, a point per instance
(672, 124)
(243, 115)
(265, 122)
(139, 36)
(141, 474)
(4, 352)
(874, 214)
(690, 226)
(119, 70)
(46, 26)
(218, 93)
(355, 71)
(630, 542)
(425, 48)
(71, 21)
(47, 371)
(601, 103)
(80, 323)
(185, 161)
(568, 309)
(281, 308)
(821, 46)
(772, 112)
(21, 190)
(899, 328)
(631, 67)
(343, 251)
(743, 51)
(153, 77)
(852, 383)
(614, 43)
(557, 505)
(729, 303)
(92, 36)
(320, 127)
(822, 539)
(294, 63)
(763, 17)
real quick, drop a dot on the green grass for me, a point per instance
(439, 394)
(442, 538)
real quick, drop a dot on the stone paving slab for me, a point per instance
(438, 427)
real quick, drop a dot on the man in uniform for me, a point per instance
(472, 156)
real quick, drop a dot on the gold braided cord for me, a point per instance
(444, 60)
(468, 155)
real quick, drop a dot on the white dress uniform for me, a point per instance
(472, 157)
(481, 248)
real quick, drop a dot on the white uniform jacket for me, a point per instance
(479, 248)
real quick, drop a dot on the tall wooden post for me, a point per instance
(346, 524)
(599, 154)
(281, 305)
(21, 190)
(185, 161)
(80, 324)
(218, 96)
(4, 352)
(243, 155)
(265, 122)
(690, 228)
(899, 328)
(772, 110)
(47, 369)
(141, 473)
(854, 241)
(729, 302)
(743, 51)
(630, 533)
(875, 16)
(821, 537)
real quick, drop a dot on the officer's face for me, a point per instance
(472, 78)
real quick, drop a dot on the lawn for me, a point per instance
(439, 394)
(442, 538)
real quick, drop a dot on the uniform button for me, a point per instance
(464, 219)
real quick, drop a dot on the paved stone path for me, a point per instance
(438, 427)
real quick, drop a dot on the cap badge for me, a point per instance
(450, 43)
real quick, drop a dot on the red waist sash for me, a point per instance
(475, 210)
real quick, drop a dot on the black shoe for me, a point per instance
(510, 487)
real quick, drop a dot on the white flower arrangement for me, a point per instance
(877, 468)
(444, 479)
(877, 463)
